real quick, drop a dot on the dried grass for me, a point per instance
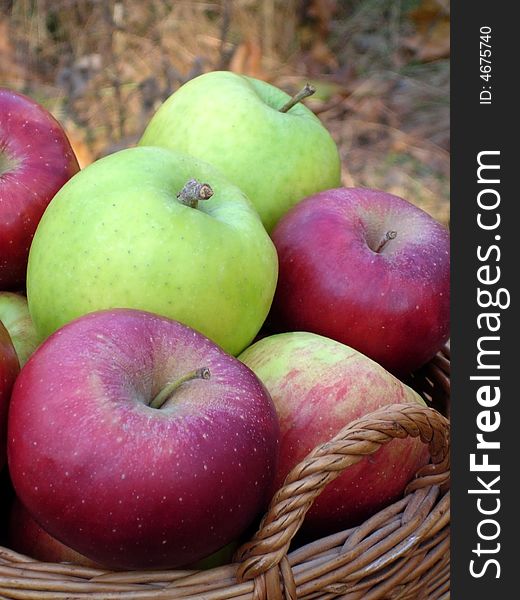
(104, 66)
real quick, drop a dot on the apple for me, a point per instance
(9, 368)
(14, 314)
(275, 152)
(138, 442)
(36, 159)
(27, 537)
(318, 386)
(368, 269)
(118, 235)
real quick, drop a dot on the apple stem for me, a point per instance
(305, 92)
(193, 191)
(170, 388)
(389, 235)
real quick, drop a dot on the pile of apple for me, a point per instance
(186, 319)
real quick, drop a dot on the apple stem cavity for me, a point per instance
(389, 235)
(305, 92)
(7, 162)
(193, 191)
(169, 389)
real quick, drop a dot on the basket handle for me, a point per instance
(264, 558)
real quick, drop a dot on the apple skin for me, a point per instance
(14, 314)
(9, 368)
(117, 236)
(27, 537)
(36, 159)
(392, 305)
(233, 122)
(125, 484)
(318, 386)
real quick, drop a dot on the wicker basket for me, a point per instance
(402, 552)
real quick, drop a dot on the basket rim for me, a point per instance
(262, 570)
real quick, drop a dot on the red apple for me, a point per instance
(36, 159)
(9, 368)
(138, 442)
(318, 386)
(27, 537)
(368, 269)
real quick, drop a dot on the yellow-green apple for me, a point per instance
(9, 368)
(318, 386)
(368, 269)
(148, 445)
(14, 314)
(26, 536)
(152, 229)
(275, 149)
(36, 159)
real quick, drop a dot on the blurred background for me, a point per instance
(381, 68)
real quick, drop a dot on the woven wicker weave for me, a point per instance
(402, 552)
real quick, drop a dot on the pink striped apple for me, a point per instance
(318, 386)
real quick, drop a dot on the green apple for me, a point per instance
(277, 157)
(14, 314)
(118, 235)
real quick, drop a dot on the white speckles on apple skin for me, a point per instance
(346, 226)
(41, 169)
(170, 474)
